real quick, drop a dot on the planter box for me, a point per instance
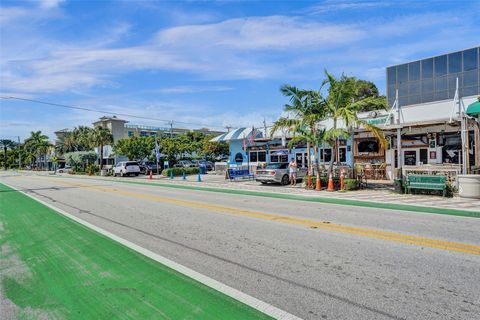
(469, 185)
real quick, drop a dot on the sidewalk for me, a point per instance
(384, 195)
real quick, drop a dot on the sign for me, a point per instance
(433, 155)
(377, 121)
(54, 159)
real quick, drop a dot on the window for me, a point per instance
(143, 133)
(470, 78)
(392, 76)
(470, 59)
(343, 154)
(368, 146)
(130, 133)
(440, 84)
(258, 156)
(326, 155)
(239, 157)
(427, 68)
(278, 158)
(440, 65)
(455, 62)
(414, 71)
(414, 87)
(402, 73)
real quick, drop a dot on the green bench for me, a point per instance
(426, 182)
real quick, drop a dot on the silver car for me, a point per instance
(277, 173)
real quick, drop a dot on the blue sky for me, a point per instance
(213, 63)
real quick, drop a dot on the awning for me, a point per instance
(474, 109)
(237, 134)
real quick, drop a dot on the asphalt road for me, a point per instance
(316, 261)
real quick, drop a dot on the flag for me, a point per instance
(252, 137)
(157, 151)
(244, 142)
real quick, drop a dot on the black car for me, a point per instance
(147, 166)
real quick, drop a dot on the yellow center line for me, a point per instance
(378, 234)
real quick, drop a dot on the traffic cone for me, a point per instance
(330, 183)
(318, 184)
(150, 176)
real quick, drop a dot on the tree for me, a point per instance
(7, 144)
(134, 148)
(215, 149)
(307, 109)
(80, 159)
(100, 137)
(38, 145)
(342, 105)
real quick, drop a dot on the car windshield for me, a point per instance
(131, 164)
(277, 166)
(150, 163)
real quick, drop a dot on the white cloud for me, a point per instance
(48, 4)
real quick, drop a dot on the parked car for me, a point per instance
(65, 169)
(277, 173)
(126, 168)
(147, 166)
(184, 164)
(203, 163)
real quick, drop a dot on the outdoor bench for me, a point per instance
(426, 182)
(239, 173)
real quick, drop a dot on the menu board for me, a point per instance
(410, 158)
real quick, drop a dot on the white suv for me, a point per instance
(126, 168)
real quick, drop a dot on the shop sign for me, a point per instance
(377, 121)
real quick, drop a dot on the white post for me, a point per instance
(399, 136)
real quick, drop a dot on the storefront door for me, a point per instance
(302, 159)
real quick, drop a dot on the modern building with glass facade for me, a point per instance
(434, 79)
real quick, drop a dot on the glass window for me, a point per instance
(470, 59)
(414, 99)
(455, 62)
(391, 92)
(427, 97)
(391, 100)
(253, 156)
(440, 66)
(402, 73)
(427, 85)
(392, 75)
(342, 152)
(414, 87)
(470, 91)
(130, 133)
(427, 68)
(470, 78)
(326, 155)
(452, 81)
(368, 146)
(403, 89)
(440, 84)
(262, 156)
(441, 95)
(414, 71)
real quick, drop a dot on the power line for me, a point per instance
(170, 122)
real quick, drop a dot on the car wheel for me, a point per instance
(285, 180)
(136, 174)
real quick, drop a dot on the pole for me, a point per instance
(171, 129)
(19, 154)
(399, 137)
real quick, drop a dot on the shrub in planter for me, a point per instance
(179, 171)
(350, 184)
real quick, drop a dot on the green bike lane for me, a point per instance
(54, 267)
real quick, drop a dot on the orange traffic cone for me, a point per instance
(150, 176)
(318, 184)
(330, 183)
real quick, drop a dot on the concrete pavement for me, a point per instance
(312, 272)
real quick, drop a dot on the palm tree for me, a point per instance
(342, 105)
(99, 137)
(38, 144)
(307, 108)
(7, 144)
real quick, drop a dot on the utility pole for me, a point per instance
(171, 129)
(19, 155)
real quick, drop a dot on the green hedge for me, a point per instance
(179, 171)
(350, 184)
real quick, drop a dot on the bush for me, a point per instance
(78, 160)
(179, 171)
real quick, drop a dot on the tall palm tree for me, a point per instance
(7, 144)
(342, 105)
(38, 144)
(307, 108)
(100, 137)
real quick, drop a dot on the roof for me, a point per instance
(474, 108)
(113, 118)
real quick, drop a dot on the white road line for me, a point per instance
(255, 303)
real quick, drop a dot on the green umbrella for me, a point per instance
(474, 108)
